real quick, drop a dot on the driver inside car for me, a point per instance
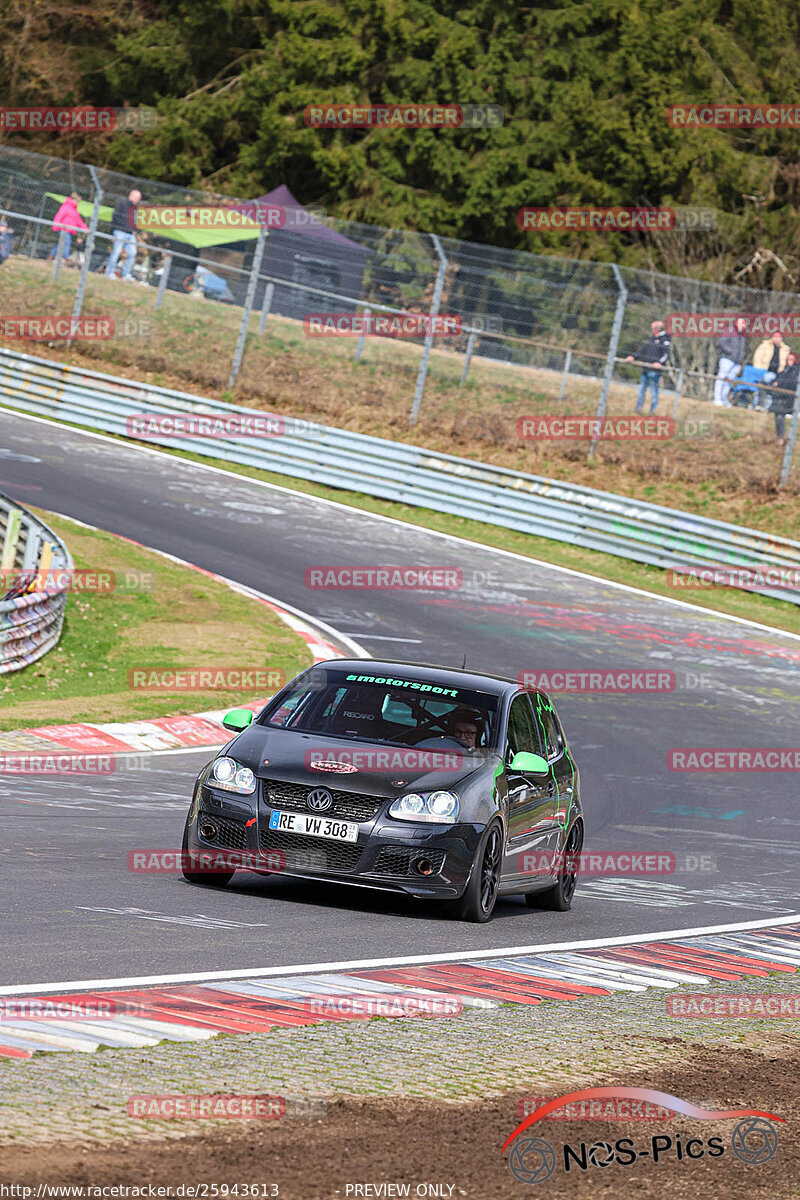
(464, 726)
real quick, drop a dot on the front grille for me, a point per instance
(394, 861)
(310, 854)
(230, 834)
(352, 806)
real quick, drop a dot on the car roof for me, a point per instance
(449, 676)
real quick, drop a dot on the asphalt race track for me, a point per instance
(72, 911)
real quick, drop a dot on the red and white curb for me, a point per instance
(197, 1012)
(177, 732)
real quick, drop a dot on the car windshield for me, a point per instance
(385, 709)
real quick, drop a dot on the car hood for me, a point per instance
(278, 754)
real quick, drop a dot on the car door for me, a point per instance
(532, 826)
(562, 768)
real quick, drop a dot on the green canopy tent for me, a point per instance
(198, 237)
(85, 208)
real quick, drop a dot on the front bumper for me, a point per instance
(400, 856)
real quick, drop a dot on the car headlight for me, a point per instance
(436, 807)
(229, 775)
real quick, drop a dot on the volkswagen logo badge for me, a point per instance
(320, 800)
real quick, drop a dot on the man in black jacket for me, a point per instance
(123, 227)
(783, 400)
(653, 354)
(732, 353)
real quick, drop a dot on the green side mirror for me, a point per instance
(237, 719)
(525, 763)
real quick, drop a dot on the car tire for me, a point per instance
(480, 896)
(558, 898)
(212, 879)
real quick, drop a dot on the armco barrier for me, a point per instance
(31, 624)
(581, 516)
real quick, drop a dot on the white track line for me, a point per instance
(451, 537)
(464, 956)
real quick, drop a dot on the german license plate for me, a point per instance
(322, 827)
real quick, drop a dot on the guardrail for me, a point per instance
(30, 621)
(581, 516)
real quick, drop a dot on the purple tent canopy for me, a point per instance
(307, 225)
(320, 267)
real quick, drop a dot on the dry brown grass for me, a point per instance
(730, 474)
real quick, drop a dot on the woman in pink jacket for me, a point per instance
(70, 220)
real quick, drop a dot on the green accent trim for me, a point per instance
(543, 703)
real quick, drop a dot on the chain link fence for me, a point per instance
(538, 316)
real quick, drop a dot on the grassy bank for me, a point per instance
(159, 617)
(728, 473)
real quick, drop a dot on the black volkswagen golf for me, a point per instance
(443, 784)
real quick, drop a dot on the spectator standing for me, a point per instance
(783, 401)
(123, 227)
(70, 220)
(732, 353)
(653, 354)
(5, 239)
(771, 356)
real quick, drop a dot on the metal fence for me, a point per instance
(576, 319)
(35, 568)
(581, 516)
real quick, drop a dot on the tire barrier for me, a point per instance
(35, 568)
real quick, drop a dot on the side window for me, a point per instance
(521, 733)
(550, 729)
(398, 713)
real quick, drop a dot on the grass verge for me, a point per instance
(161, 617)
